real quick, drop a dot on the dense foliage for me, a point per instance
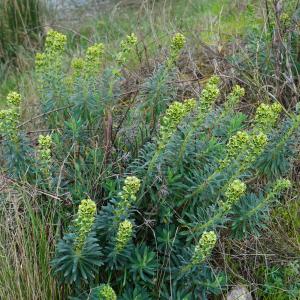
(146, 192)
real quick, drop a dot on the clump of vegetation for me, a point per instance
(142, 189)
(21, 25)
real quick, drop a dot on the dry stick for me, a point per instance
(27, 187)
(45, 114)
(123, 119)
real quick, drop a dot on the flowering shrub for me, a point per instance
(155, 209)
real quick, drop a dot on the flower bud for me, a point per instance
(209, 94)
(131, 185)
(13, 98)
(106, 292)
(178, 42)
(281, 184)
(40, 60)
(55, 42)
(234, 192)
(123, 235)
(126, 46)
(258, 142)
(234, 97)
(93, 53)
(85, 221)
(175, 113)
(9, 119)
(237, 143)
(204, 247)
(189, 104)
(267, 115)
(44, 152)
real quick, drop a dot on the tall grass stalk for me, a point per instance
(26, 240)
(20, 26)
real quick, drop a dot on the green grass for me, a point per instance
(26, 239)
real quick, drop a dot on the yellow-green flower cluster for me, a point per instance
(40, 61)
(94, 52)
(128, 195)
(237, 143)
(54, 47)
(176, 112)
(256, 147)
(234, 97)
(106, 292)
(9, 118)
(55, 42)
(209, 95)
(13, 98)
(204, 247)
(93, 58)
(44, 148)
(130, 42)
(89, 65)
(238, 91)
(131, 187)
(126, 46)
(44, 153)
(281, 184)
(85, 221)
(77, 66)
(266, 116)
(244, 147)
(235, 190)
(123, 235)
(177, 43)
(189, 104)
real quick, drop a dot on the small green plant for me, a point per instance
(281, 282)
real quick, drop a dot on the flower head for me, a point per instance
(175, 113)
(209, 94)
(237, 143)
(234, 97)
(267, 115)
(258, 142)
(9, 119)
(130, 42)
(204, 247)
(40, 60)
(127, 196)
(13, 98)
(123, 235)
(85, 221)
(189, 104)
(281, 184)
(178, 42)
(234, 191)
(131, 186)
(238, 91)
(44, 151)
(127, 45)
(55, 42)
(93, 53)
(77, 64)
(45, 141)
(106, 292)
